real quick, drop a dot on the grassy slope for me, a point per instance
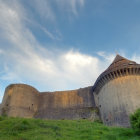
(33, 129)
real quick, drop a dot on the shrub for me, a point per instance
(135, 121)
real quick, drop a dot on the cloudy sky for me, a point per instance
(64, 44)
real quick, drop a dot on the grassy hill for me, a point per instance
(35, 129)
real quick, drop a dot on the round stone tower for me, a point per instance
(117, 92)
(20, 100)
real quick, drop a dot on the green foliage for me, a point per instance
(98, 121)
(135, 121)
(36, 129)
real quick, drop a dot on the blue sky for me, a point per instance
(64, 44)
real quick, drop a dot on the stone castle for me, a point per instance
(114, 96)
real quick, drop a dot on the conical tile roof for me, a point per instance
(119, 61)
(119, 67)
(119, 58)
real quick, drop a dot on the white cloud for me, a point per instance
(136, 58)
(43, 9)
(46, 9)
(106, 56)
(1, 93)
(56, 36)
(1, 97)
(27, 61)
(79, 68)
(71, 5)
(55, 70)
(1, 52)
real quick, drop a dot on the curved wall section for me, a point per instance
(116, 72)
(118, 98)
(20, 100)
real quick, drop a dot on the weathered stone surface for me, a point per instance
(21, 100)
(117, 92)
(118, 99)
(66, 104)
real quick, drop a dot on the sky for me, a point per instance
(65, 44)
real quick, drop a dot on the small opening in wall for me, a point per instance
(139, 70)
(99, 105)
(112, 74)
(109, 76)
(118, 72)
(128, 71)
(107, 120)
(132, 70)
(29, 108)
(106, 77)
(7, 105)
(32, 104)
(121, 71)
(115, 74)
(135, 70)
(124, 71)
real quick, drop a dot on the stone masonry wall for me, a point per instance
(72, 104)
(117, 99)
(20, 100)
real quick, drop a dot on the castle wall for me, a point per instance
(72, 104)
(116, 95)
(20, 100)
(118, 98)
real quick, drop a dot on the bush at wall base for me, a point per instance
(135, 121)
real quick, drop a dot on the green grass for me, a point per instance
(35, 129)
